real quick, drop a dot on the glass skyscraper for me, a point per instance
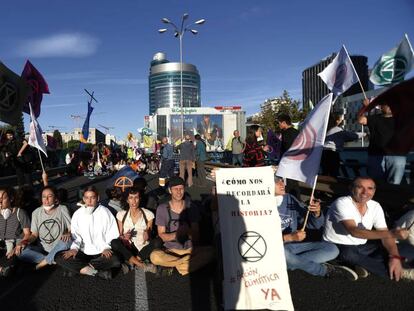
(164, 84)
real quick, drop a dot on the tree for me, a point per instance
(58, 138)
(271, 108)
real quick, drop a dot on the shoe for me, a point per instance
(125, 268)
(336, 271)
(89, 270)
(163, 271)
(362, 272)
(104, 274)
(41, 264)
(407, 274)
(149, 267)
(67, 274)
(6, 271)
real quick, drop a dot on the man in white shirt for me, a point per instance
(352, 221)
(93, 228)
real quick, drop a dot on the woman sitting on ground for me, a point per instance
(14, 230)
(50, 230)
(135, 226)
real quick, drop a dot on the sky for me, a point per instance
(246, 52)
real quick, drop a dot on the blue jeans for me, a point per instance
(309, 256)
(36, 253)
(371, 256)
(388, 167)
(237, 159)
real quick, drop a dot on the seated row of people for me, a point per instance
(93, 241)
(352, 230)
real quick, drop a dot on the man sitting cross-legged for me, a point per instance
(355, 223)
(177, 222)
(310, 257)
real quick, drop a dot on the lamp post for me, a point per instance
(179, 33)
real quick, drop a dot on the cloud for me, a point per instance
(75, 75)
(60, 45)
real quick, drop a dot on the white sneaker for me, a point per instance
(407, 274)
(362, 272)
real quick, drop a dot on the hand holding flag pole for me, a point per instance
(311, 200)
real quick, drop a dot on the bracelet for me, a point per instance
(396, 257)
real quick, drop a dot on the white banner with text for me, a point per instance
(255, 275)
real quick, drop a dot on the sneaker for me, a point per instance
(407, 274)
(163, 271)
(6, 271)
(362, 272)
(41, 264)
(104, 274)
(67, 274)
(125, 268)
(336, 271)
(149, 267)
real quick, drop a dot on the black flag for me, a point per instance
(13, 94)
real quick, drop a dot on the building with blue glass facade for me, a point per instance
(165, 83)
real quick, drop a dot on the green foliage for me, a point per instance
(58, 137)
(271, 108)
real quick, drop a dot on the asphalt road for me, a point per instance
(49, 290)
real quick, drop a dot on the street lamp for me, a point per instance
(179, 33)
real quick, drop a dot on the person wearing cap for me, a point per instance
(177, 222)
(311, 257)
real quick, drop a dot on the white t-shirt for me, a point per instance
(139, 226)
(405, 221)
(344, 209)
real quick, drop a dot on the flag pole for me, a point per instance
(41, 161)
(359, 80)
(311, 199)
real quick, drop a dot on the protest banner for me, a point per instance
(255, 275)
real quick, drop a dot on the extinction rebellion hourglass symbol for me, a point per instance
(252, 247)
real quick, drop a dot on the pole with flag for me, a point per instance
(301, 162)
(393, 65)
(38, 87)
(340, 74)
(35, 136)
(85, 128)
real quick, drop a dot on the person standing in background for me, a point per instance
(237, 149)
(187, 159)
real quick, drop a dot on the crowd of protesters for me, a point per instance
(132, 230)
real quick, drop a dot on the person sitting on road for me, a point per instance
(50, 230)
(146, 200)
(311, 257)
(350, 224)
(406, 246)
(177, 222)
(135, 226)
(93, 228)
(14, 231)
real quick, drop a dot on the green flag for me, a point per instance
(393, 65)
(13, 94)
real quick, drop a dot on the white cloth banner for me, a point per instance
(301, 162)
(35, 133)
(340, 74)
(255, 275)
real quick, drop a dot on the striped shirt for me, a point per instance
(12, 228)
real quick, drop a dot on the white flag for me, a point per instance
(35, 133)
(301, 162)
(340, 74)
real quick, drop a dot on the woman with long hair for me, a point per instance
(254, 151)
(134, 244)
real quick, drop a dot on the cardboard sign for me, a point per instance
(255, 275)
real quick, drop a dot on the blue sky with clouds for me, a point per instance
(247, 51)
